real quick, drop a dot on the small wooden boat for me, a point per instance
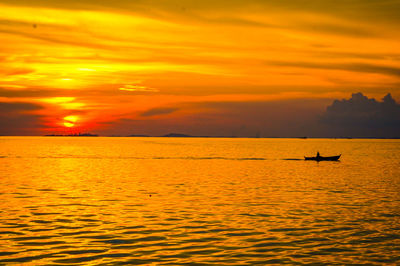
(323, 158)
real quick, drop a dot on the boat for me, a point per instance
(323, 158)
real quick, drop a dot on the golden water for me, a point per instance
(204, 201)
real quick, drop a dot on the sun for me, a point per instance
(70, 121)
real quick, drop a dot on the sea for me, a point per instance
(198, 201)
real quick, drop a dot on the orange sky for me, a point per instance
(151, 67)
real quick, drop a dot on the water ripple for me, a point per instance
(224, 203)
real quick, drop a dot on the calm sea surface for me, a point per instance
(198, 201)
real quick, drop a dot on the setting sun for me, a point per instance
(70, 121)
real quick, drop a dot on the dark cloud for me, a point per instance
(361, 116)
(20, 125)
(159, 111)
(22, 93)
(17, 107)
(365, 10)
(15, 119)
(44, 92)
(359, 55)
(354, 67)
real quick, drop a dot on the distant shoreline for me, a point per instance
(179, 135)
(72, 135)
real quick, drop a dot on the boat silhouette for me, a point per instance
(319, 158)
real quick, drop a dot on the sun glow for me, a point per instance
(70, 121)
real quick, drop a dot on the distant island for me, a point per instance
(139, 136)
(177, 135)
(73, 135)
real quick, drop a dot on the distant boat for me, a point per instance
(323, 158)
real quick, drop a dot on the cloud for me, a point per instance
(17, 107)
(67, 103)
(20, 125)
(204, 11)
(343, 7)
(353, 67)
(137, 88)
(16, 71)
(361, 116)
(67, 40)
(18, 91)
(15, 118)
(159, 111)
(349, 30)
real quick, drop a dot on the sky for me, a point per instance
(219, 68)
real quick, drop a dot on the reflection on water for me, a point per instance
(207, 201)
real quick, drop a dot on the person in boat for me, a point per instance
(318, 156)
